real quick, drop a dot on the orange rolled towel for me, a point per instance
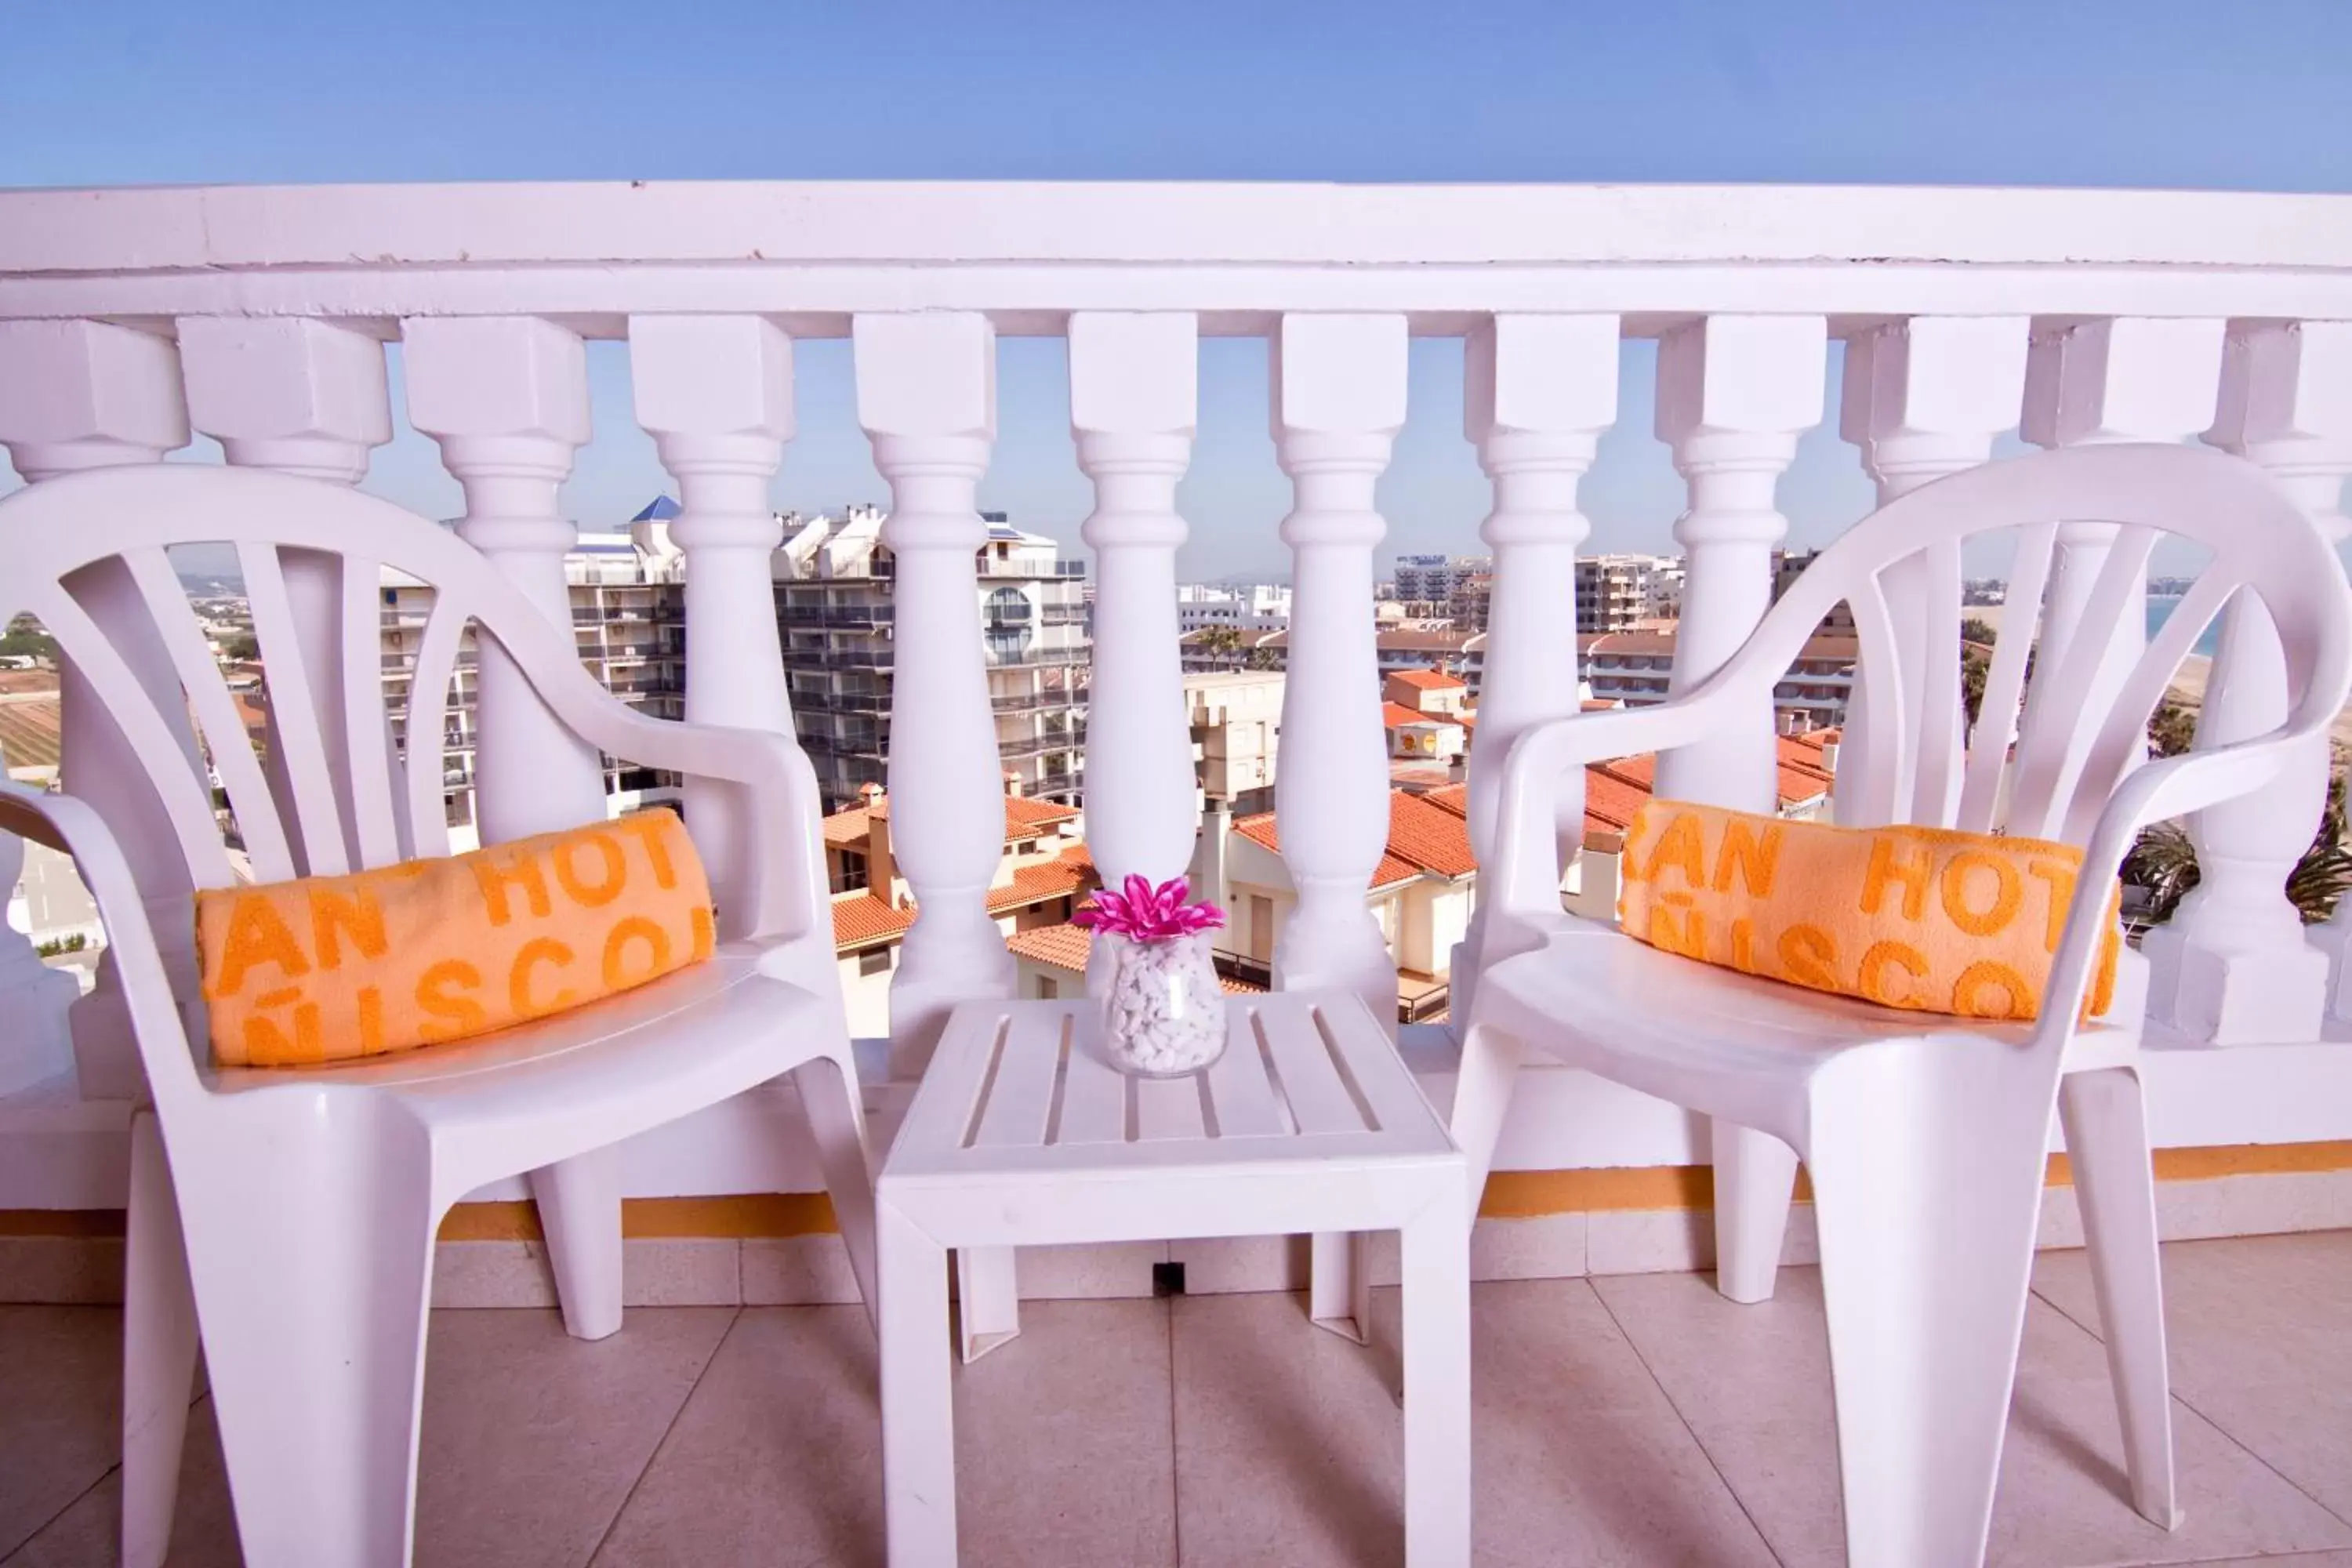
(329, 969)
(1920, 918)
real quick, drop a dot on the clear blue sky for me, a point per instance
(2253, 94)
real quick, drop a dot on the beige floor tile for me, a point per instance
(1063, 1451)
(1753, 1383)
(2260, 1330)
(203, 1526)
(533, 1439)
(60, 1409)
(1289, 1441)
(1064, 1454)
(776, 1459)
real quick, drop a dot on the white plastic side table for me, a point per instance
(1023, 1135)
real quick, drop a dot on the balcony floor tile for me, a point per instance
(1625, 1421)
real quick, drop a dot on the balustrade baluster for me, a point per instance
(927, 398)
(1339, 401)
(1734, 393)
(716, 393)
(1339, 385)
(2126, 379)
(507, 398)
(1133, 389)
(305, 398)
(1540, 390)
(85, 394)
(2232, 965)
(1923, 398)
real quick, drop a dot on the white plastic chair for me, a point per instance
(308, 1199)
(1925, 1135)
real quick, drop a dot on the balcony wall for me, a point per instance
(130, 319)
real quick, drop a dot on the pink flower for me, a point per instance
(1146, 913)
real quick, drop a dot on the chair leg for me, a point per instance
(2115, 1180)
(918, 1398)
(837, 1124)
(313, 1277)
(1754, 1178)
(1482, 1099)
(1926, 1169)
(580, 1211)
(159, 1351)
(1435, 1251)
(1339, 1284)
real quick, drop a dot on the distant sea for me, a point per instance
(2160, 609)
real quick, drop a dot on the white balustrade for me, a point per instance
(1923, 398)
(1133, 392)
(1734, 393)
(88, 394)
(927, 398)
(1539, 390)
(281, 299)
(2127, 379)
(2232, 965)
(303, 398)
(507, 398)
(1339, 401)
(716, 393)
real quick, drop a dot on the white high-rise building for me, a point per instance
(1242, 606)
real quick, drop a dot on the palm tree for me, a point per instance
(1223, 644)
(2164, 864)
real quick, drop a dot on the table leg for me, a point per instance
(1339, 1284)
(1436, 1279)
(988, 1299)
(918, 1397)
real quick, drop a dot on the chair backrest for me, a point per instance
(2044, 756)
(88, 555)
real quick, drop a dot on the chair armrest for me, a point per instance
(1526, 847)
(2172, 787)
(68, 825)
(785, 888)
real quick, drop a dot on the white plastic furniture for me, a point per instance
(1925, 1135)
(1023, 1135)
(308, 1200)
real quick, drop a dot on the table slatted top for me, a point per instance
(1024, 1086)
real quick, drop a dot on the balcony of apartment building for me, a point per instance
(1956, 318)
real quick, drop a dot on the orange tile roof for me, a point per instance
(861, 919)
(1024, 818)
(1455, 798)
(1610, 799)
(1393, 714)
(1066, 946)
(1793, 785)
(1392, 872)
(1426, 679)
(1064, 874)
(1429, 836)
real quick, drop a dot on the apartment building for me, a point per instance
(1237, 718)
(1617, 593)
(835, 610)
(627, 593)
(1788, 565)
(1636, 668)
(1240, 607)
(1432, 579)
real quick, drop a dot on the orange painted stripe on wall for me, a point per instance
(1510, 1194)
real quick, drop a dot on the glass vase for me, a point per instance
(1164, 1014)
